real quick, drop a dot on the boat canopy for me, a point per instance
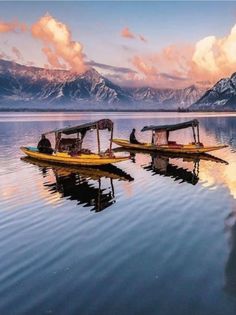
(99, 124)
(80, 131)
(187, 124)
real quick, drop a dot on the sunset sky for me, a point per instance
(165, 44)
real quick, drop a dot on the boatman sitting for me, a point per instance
(44, 145)
(132, 138)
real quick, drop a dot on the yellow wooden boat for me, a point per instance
(90, 159)
(185, 148)
(160, 142)
(69, 150)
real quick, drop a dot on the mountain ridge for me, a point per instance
(34, 87)
(222, 96)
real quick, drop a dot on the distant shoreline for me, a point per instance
(22, 110)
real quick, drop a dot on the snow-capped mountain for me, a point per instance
(32, 87)
(168, 98)
(20, 83)
(222, 96)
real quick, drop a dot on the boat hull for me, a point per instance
(187, 149)
(64, 158)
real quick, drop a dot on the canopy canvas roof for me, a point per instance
(99, 124)
(187, 124)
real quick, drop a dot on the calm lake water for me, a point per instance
(153, 235)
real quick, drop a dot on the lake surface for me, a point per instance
(153, 235)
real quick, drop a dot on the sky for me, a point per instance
(135, 43)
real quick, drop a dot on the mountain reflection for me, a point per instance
(85, 185)
(230, 267)
(222, 128)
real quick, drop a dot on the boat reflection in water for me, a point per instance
(167, 165)
(82, 184)
(170, 164)
(161, 165)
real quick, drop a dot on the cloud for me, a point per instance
(127, 33)
(210, 59)
(144, 66)
(52, 57)
(204, 62)
(204, 55)
(58, 44)
(120, 75)
(215, 57)
(14, 26)
(172, 77)
(123, 70)
(152, 70)
(17, 53)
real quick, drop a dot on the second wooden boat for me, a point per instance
(160, 140)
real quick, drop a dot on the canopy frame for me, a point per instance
(81, 131)
(194, 124)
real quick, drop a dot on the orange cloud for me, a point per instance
(172, 66)
(58, 42)
(168, 67)
(127, 33)
(210, 59)
(52, 57)
(6, 27)
(144, 66)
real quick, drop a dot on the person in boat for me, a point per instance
(132, 138)
(44, 145)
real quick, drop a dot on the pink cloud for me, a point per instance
(6, 27)
(58, 43)
(127, 33)
(51, 57)
(215, 57)
(163, 69)
(144, 66)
